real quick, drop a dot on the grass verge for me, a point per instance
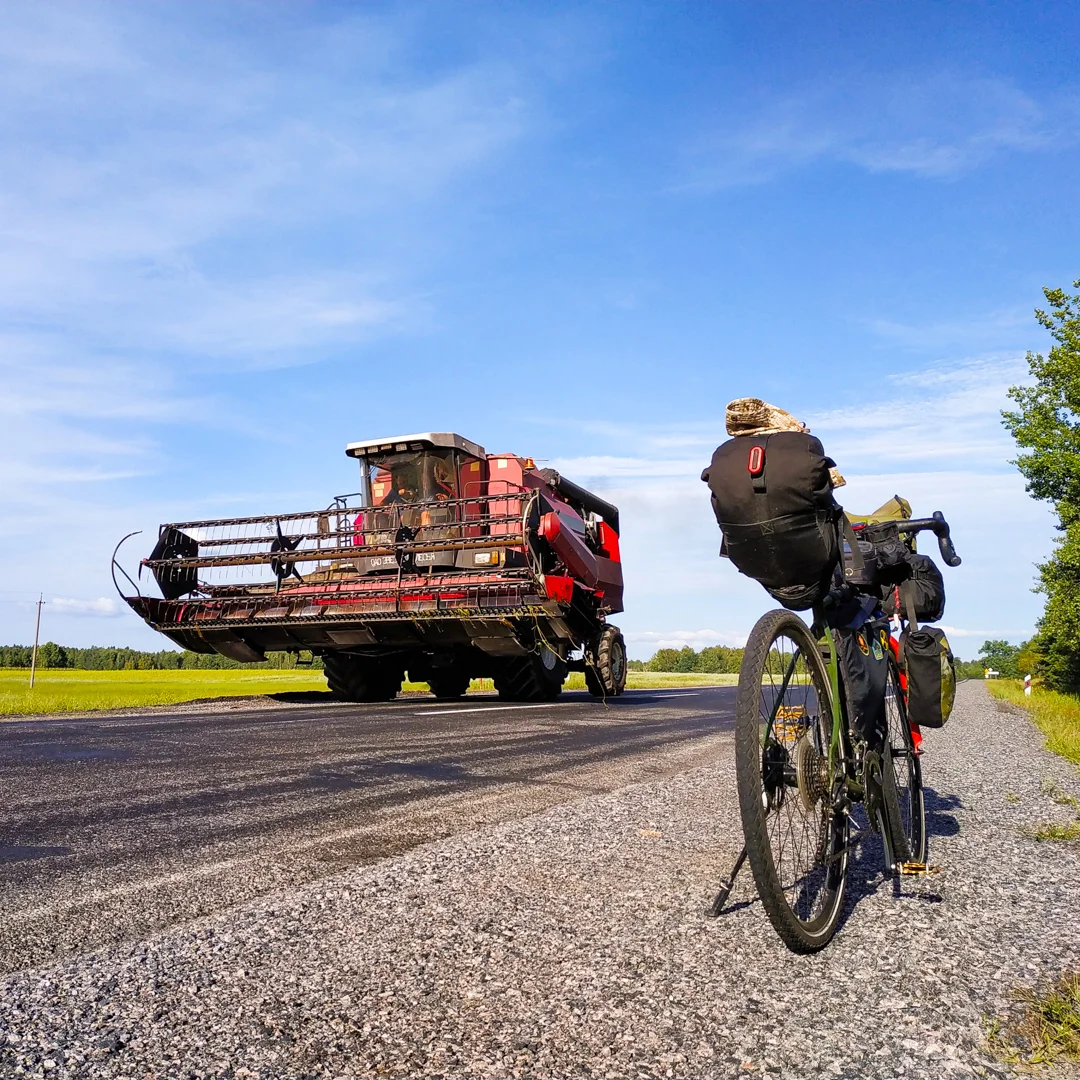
(64, 690)
(1056, 715)
(1053, 830)
(1044, 1028)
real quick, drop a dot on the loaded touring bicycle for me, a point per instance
(830, 708)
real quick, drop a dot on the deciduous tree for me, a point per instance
(1046, 426)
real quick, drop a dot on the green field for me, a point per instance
(65, 690)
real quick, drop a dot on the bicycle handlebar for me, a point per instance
(940, 528)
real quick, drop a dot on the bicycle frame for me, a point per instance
(833, 668)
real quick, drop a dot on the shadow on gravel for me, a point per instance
(939, 820)
(866, 872)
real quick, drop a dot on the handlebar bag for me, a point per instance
(772, 497)
(924, 586)
(931, 675)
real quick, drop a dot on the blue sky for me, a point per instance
(237, 236)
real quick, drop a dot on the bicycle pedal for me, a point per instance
(918, 869)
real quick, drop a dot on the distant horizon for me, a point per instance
(171, 648)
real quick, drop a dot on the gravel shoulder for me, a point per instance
(574, 943)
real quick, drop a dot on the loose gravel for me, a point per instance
(574, 943)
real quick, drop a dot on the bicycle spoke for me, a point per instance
(787, 713)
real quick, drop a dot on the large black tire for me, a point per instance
(884, 809)
(903, 796)
(538, 676)
(795, 841)
(906, 768)
(359, 678)
(605, 664)
(449, 683)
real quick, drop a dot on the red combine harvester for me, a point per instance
(449, 564)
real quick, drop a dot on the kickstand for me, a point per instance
(725, 888)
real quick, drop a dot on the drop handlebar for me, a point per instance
(939, 527)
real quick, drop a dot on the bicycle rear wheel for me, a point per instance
(795, 842)
(906, 769)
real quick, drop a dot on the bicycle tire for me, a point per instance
(889, 822)
(906, 768)
(801, 889)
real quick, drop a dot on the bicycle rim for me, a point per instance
(795, 843)
(906, 769)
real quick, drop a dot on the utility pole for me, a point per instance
(37, 633)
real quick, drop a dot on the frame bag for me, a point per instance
(931, 675)
(863, 657)
(772, 496)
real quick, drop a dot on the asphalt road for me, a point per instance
(113, 827)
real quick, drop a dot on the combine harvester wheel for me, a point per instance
(605, 664)
(536, 677)
(357, 678)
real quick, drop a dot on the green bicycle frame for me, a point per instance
(834, 686)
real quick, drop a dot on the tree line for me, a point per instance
(721, 660)
(1008, 660)
(107, 658)
(713, 660)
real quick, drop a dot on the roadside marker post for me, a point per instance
(1027, 686)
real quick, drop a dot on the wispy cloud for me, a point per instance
(101, 608)
(649, 641)
(118, 237)
(933, 126)
(990, 327)
(937, 417)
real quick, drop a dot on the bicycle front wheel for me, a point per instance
(795, 842)
(906, 769)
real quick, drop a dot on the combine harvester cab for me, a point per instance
(448, 564)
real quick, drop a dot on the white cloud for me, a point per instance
(936, 127)
(933, 436)
(648, 641)
(940, 416)
(123, 177)
(983, 635)
(102, 607)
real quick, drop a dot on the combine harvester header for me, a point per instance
(449, 564)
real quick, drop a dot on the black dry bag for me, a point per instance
(927, 660)
(772, 496)
(924, 586)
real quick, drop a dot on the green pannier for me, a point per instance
(927, 660)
